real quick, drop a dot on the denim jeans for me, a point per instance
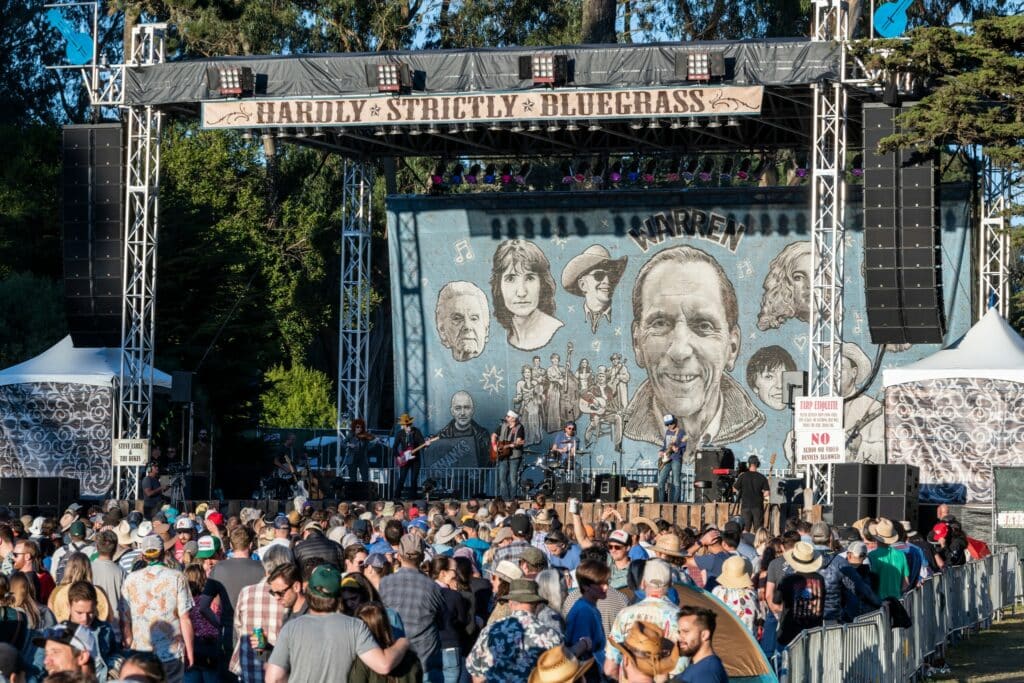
(507, 471)
(673, 469)
(769, 641)
(452, 664)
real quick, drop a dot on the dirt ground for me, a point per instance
(991, 656)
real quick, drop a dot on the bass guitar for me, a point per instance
(407, 455)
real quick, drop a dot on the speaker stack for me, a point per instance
(902, 240)
(39, 495)
(608, 486)
(860, 490)
(709, 465)
(92, 213)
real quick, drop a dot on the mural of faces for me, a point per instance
(594, 275)
(787, 287)
(462, 319)
(462, 409)
(764, 375)
(524, 294)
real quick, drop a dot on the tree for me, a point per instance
(297, 397)
(598, 21)
(32, 309)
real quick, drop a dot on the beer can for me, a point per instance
(261, 639)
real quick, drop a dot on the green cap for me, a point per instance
(208, 547)
(77, 529)
(325, 581)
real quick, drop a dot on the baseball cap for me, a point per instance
(325, 581)
(470, 523)
(413, 511)
(668, 419)
(821, 532)
(619, 536)
(556, 537)
(512, 413)
(184, 524)
(410, 545)
(360, 526)
(10, 660)
(68, 633)
(520, 525)
(732, 528)
(215, 518)
(77, 529)
(657, 573)
(376, 560)
(507, 571)
(281, 522)
(208, 547)
(420, 524)
(858, 549)
(152, 545)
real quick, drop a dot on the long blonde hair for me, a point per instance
(77, 567)
(23, 597)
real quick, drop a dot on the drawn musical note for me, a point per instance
(463, 252)
(744, 269)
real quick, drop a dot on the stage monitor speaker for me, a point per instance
(898, 480)
(92, 215)
(355, 490)
(848, 509)
(851, 479)
(582, 491)
(181, 387)
(898, 509)
(607, 486)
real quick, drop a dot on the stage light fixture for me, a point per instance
(520, 177)
(414, 131)
(495, 127)
(517, 127)
(693, 124)
(572, 126)
(636, 124)
(474, 173)
(468, 128)
(672, 174)
(691, 169)
(732, 122)
(597, 177)
(228, 80)
(705, 170)
(857, 166)
(300, 132)
(534, 127)
(379, 131)
(701, 66)
(714, 123)
(615, 173)
(545, 68)
(677, 125)
(394, 77)
(654, 124)
(594, 125)
(582, 172)
(553, 127)
(453, 129)
(437, 177)
(506, 174)
(650, 172)
(456, 174)
(725, 173)
(247, 135)
(567, 174)
(433, 129)
(743, 172)
(633, 171)
(490, 174)
(802, 166)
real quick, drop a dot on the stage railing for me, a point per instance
(961, 598)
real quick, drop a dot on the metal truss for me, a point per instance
(828, 208)
(354, 296)
(994, 259)
(142, 179)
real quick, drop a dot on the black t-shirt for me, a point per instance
(150, 483)
(752, 486)
(803, 604)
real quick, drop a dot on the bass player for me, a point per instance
(507, 443)
(408, 443)
(670, 460)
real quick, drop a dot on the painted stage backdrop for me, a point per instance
(613, 309)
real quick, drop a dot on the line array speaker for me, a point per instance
(902, 240)
(92, 214)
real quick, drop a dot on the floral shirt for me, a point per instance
(743, 602)
(507, 650)
(156, 598)
(654, 610)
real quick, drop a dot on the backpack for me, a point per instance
(58, 572)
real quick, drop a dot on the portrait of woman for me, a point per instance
(787, 287)
(523, 292)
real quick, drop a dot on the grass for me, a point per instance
(995, 655)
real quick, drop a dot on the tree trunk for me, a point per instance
(598, 21)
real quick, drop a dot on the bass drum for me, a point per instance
(534, 478)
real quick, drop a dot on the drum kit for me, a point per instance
(550, 469)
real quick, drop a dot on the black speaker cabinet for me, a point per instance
(607, 486)
(898, 480)
(581, 491)
(181, 387)
(898, 508)
(355, 490)
(56, 492)
(848, 509)
(850, 479)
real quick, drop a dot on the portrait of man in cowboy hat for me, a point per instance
(593, 275)
(863, 416)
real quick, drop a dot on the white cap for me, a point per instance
(668, 418)
(512, 413)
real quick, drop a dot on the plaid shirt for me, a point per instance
(511, 552)
(419, 603)
(256, 608)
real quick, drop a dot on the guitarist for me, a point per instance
(753, 489)
(408, 436)
(670, 459)
(507, 443)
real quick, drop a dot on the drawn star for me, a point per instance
(572, 309)
(754, 451)
(491, 379)
(604, 223)
(596, 345)
(560, 241)
(375, 110)
(527, 105)
(618, 331)
(439, 372)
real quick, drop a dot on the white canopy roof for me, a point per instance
(991, 349)
(64, 363)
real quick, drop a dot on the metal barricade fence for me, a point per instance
(870, 650)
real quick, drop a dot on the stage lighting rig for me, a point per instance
(545, 68)
(491, 174)
(743, 172)
(231, 81)
(705, 170)
(690, 170)
(395, 77)
(857, 166)
(725, 173)
(700, 66)
(474, 173)
(456, 177)
(615, 173)
(650, 174)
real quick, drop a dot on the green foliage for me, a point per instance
(29, 229)
(297, 397)
(31, 317)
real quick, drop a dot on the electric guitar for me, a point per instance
(891, 18)
(79, 46)
(407, 455)
(298, 487)
(665, 455)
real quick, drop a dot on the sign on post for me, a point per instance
(820, 439)
(130, 452)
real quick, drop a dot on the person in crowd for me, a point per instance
(752, 488)
(27, 559)
(408, 670)
(158, 611)
(502, 576)
(862, 597)
(68, 647)
(419, 602)
(375, 568)
(82, 599)
(263, 605)
(583, 619)
(710, 563)
(108, 576)
(696, 631)
(456, 619)
(619, 543)
(551, 587)
(521, 529)
(888, 564)
(736, 590)
(76, 568)
(77, 544)
(952, 547)
(508, 650)
(778, 569)
(647, 653)
(322, 645)
(801, 594)
(205, 616)
(144, 667)
(354, 557)
(23, 599)
(561, 553)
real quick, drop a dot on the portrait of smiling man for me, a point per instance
(593, 275)
(686, 335)
(463, 319)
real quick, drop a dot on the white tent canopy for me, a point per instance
(63, 362)
(990, 350)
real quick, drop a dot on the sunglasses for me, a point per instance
(600, 274)
(278, 594)
(616, 546)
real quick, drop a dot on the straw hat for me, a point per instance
(405, 419)
(647, 649)
(734, 573)
(885, 531)
(559, 665)
(669, 544)
(803, 557)
(446, 534)
(124, 533)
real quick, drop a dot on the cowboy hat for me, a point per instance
(446, 534)
(668, 544)
(124, 533)
(803, 557)
(647, 649)
(595, 255)
(638, 521)
(860, 360)
(559, 665)
(145, 529)
(734, 573)
(885, 531)
(405, 419)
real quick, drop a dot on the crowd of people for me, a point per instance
(455, 592)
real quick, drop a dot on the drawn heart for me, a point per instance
(800, 341)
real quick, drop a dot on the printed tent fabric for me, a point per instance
(959, 412)
(56, 415)
(734, 644)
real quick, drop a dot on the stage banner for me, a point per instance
(616, 308)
